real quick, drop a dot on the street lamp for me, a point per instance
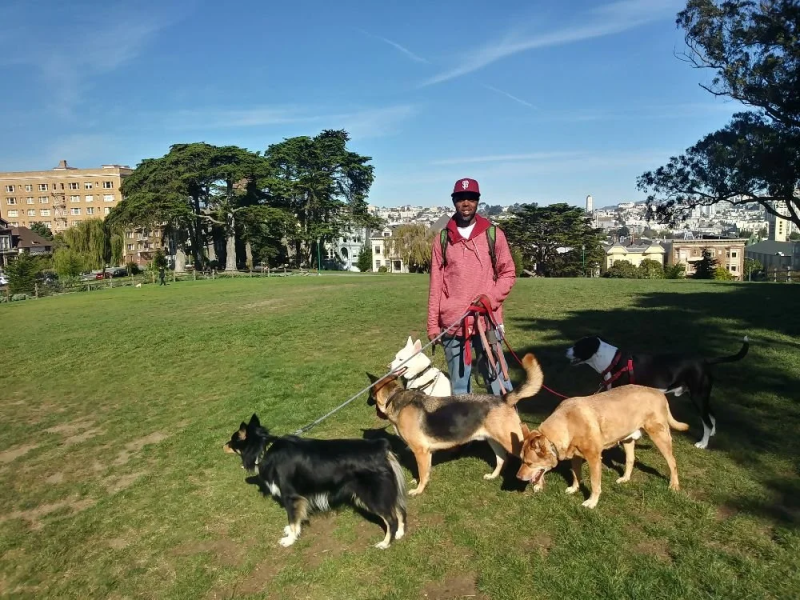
(583, 259)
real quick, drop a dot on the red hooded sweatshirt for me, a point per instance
(468, 274)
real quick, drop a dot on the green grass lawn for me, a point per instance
(114, 406)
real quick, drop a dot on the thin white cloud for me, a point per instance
(118, 36)
(361, 123)
(396, 46)
(605, 20)
(507, 95)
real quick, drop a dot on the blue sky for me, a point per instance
(540, 101)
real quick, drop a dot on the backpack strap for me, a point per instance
(491, 238)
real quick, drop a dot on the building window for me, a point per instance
(15, 223)
(90, 210)
(90, 198)
(31, 212)
(74, 211)
(13, 213)
(75, 222)
(29, 200)
(45, 212)
(377, 250)
(106, 209)
(108, 185)
(129, 235)
(74, 185)
(46, 224)
(9, 188)
(377, 264)
(130, 246)
(42, 187)
(108, 197)
(28, 187)
(88, 185)
(11, 201)
(44, 200)
(734, 254)
(74, 198)
(733, 268)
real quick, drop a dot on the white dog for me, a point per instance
(419, 373)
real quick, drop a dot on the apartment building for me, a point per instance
(141, 244)
(728, 252)
(61, 197)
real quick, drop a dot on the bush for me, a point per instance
(133, 268)
(68, 262)
(722, 274)
(651, 269)
(383, 270)
(622, 269)
(22, 273)
(364, 262)
(516, 255)
(676, 271)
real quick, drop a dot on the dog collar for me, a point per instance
(420, 374)
(553, 448)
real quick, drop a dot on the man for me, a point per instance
(161, 274)
(457, 278)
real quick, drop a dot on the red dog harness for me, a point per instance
(628, 368)
(483, 318)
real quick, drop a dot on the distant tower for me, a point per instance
(589, 204)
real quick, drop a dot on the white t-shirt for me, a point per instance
(466, 231)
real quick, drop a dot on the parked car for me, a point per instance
(119, 272)
(103, 275)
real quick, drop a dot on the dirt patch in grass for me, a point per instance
(257, 581)
(136, 446)
(117, 543)
(264, 303)
(117, 484)
(55, 478)
(725, 512)
(82, 437)
(13, 454)
(226, 552)
(538, 542)
(462, 585)
(34, 515)
(71, 428)
(658, 549)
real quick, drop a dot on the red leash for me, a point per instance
(514, 354)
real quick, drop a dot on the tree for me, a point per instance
(650, 269)
(554, 240)
(491, 210)
(323, 185)
(364, 262)
(706, 266)
(722, 274)
(622, 269)
(41, 229)
(22, 274)
(412, 243)
(88, 243)
(794, 236)
(751, 267)
(519, 262)
(623, 232)
(753, 49)
(676, 271)
(68, 262)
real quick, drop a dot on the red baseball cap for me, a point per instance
(466, 185)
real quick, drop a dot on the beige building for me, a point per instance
(61, 197)
(635, 253)
(728, 252)
(380, 258)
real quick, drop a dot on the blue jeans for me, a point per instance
(460, 373)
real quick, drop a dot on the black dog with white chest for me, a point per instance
(670, 373)
(310, 474)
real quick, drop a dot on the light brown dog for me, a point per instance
(428, 423)
(581, 428)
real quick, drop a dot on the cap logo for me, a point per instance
(465, 184)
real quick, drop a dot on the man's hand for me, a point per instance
(432, 335)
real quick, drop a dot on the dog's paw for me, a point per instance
(623, 479)
(702, 444)
(415, 492)
(489, 476)
(675, 487)
(287, 531)
(401, 531)
(572, 489)
(382, 545)
(287, 541)
(590, 503)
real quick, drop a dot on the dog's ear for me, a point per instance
(254, 422)
(372, 378)
(417, 346)
(409, 343)
(525, 431)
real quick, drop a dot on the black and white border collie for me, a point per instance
(670, 373)
(306, 474)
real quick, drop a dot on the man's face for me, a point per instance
(466, 206)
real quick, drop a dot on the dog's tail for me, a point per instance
(676, 425)
(533, 382)
(738, 356)
(400, 481)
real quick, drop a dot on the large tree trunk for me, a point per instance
(230, 243)
(180, 259)
(248, 255)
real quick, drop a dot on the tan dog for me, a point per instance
(428, 423)
(581, 428)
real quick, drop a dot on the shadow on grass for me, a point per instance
(754, 400)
